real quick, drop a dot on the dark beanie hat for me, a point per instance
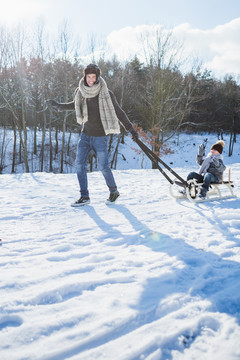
(218, 146)
(92, 69)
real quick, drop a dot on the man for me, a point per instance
(99, 113)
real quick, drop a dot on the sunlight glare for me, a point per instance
(14, 11)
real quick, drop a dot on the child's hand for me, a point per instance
(201, 150)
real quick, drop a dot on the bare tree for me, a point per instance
(168, 97)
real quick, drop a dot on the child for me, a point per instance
(212, 167)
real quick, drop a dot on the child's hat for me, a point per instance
(218, 146)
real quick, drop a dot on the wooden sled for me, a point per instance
(192, 188)
(219, 191)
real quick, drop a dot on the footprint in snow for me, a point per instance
(10, 321)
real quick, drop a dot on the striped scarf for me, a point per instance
(206, 163)
(107, 112)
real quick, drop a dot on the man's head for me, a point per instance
(91, 75)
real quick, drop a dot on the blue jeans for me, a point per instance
(100, 146)
(207, 179)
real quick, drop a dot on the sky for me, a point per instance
(209, 29)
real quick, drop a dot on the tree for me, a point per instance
(168, 96)
(231, 109)
(14, 90)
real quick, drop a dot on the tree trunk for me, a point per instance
(231, 142)
(25, 147)
(43, 141)
(50, 144)
(14, 148)
(115, 154)
(56, 140)
(34, 115)
(63, 142)
(2, 154)
(69, 141)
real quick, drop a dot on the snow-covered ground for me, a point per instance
(146, 278)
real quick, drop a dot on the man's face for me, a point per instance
(91, 79)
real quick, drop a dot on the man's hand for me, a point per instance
(134, 134)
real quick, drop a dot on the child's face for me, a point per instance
(214, 152)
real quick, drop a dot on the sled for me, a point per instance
(217, 191)
(190, 189)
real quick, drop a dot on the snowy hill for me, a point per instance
(147, 278)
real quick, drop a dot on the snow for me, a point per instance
(149, 277)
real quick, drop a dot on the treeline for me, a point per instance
(157, 95)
